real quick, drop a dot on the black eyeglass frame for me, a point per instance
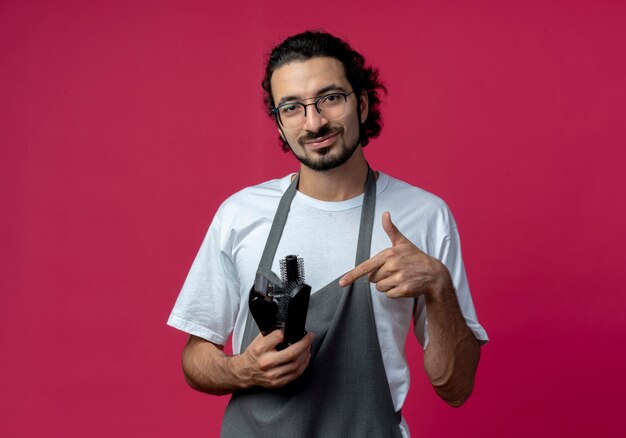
(276, 111)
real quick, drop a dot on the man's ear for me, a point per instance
(280, 132)
(364, 106)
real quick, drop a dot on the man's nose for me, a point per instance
(313, 120)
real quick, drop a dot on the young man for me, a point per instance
(379, 255)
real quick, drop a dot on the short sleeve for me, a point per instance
(447, 248)
(209, 300)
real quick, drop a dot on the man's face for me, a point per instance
(319, 144)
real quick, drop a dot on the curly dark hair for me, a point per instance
(313, 44)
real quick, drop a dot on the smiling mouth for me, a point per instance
(322, 141)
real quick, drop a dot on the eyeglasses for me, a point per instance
(330, 106)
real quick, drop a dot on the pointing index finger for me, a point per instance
(367, 267)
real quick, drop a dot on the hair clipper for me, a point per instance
(282, 306)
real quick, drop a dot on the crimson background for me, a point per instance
(123, 126)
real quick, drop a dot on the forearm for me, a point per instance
(452, 354)
(208, 369)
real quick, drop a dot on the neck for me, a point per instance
(343, 182)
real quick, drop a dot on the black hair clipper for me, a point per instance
(282, 305)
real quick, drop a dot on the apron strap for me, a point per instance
(278, 224)
(367, 219)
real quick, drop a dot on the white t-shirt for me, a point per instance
(213, 300)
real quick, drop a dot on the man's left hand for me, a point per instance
(402, 270)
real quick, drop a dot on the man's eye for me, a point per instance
(289, 110)
(330, 99)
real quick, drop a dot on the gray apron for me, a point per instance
(344, 391)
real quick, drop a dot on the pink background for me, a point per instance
(123, 125)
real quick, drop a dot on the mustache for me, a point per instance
(322, 132)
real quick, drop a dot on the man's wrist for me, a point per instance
(236, 366)
(442, 288)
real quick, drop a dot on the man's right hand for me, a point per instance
(262, 365)
(208, 369)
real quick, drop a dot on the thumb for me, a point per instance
(392, 231)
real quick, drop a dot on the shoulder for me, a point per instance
(252, 200)
(406, 197)
(420, 215)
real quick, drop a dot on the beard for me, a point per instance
(323, 161)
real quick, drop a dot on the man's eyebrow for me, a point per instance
(321, 91)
